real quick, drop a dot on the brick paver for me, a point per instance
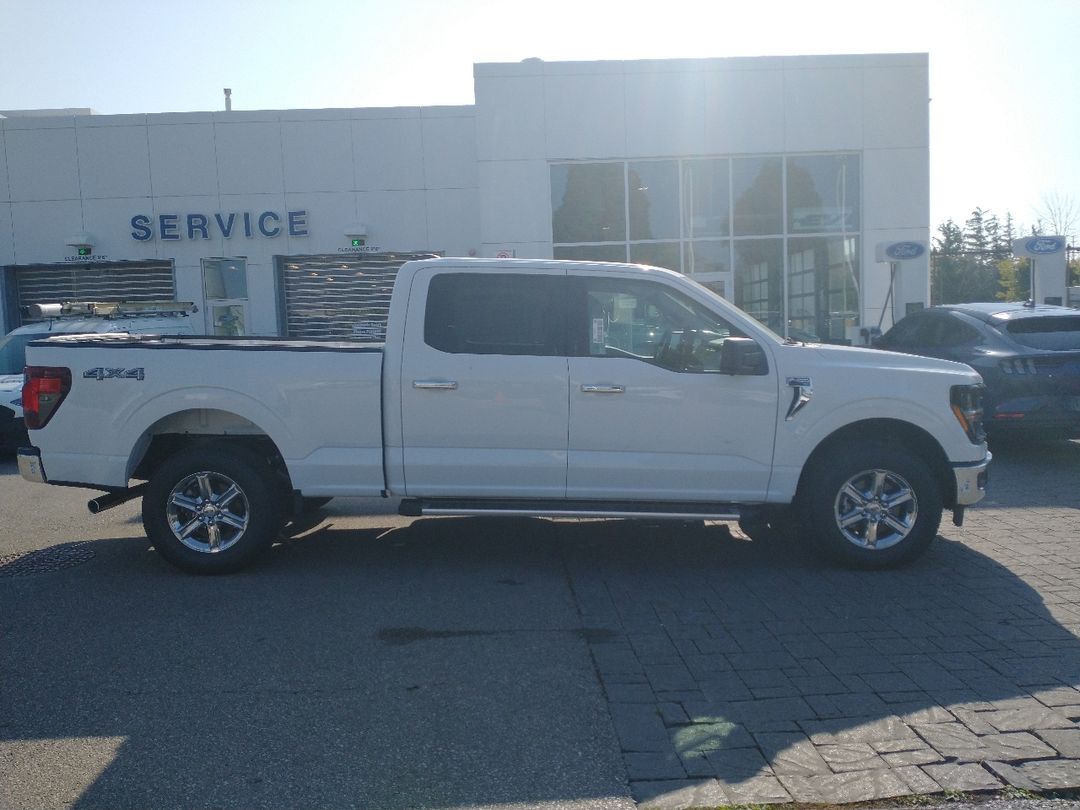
(741, 672)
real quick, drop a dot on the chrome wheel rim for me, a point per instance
(208, 512)
(876, 509)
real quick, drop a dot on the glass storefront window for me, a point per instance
(658, 254)
(588, 202)
(823, 288)
(823, 194)
(736, 224)
(757, 188)
(706, 205)
(702, 256)
(591, 253)
(654, 199)
(224, 278)
(228, 319)
(759, 280)
(225, 288)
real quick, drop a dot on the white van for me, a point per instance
(78, 317)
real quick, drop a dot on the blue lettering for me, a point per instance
(298, 223)
(174, 227)
(226, 229)
(141, 231)
(197, 223)
(268, 215)
(168, 226)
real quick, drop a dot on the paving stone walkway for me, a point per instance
(746, 673)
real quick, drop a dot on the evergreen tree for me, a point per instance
(964, 266)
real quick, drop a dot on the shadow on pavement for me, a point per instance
(463, 662)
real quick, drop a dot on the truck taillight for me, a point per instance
(44, 388)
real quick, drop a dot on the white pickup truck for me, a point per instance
(514, 387)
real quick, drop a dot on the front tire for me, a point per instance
(212, 510)
(872, 505)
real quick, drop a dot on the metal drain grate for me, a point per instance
(46, 560)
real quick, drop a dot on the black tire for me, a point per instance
(241, 516)
(871, 505)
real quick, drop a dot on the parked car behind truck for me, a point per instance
(514, 387)
(1028, 356)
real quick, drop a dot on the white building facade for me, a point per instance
(769, 179)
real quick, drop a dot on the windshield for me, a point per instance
(1057, 333)
(13, 353)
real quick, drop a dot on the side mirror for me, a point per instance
(743, 356)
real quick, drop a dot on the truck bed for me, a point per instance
(318, 401)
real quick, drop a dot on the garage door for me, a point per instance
(339, 295)
(98, 281)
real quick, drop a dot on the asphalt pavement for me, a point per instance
(373, 661)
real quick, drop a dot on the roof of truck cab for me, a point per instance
(525, 265)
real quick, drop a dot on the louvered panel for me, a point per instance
(125, 281)
(341, 297)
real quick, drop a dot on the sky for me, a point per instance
(1004, 74)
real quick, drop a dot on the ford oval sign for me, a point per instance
(1044, 245)
(903, 251)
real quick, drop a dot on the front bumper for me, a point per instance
(30, 465)
(971, 481)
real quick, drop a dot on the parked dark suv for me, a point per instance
(1028, 356)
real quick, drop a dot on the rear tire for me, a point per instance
(212, 510)
(872, 505)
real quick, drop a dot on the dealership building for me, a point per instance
(773, 180)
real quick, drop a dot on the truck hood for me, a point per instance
(857, 357)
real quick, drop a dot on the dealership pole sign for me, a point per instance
(896, 255)
(900, 251)
(1047, 254)
(1035, 246)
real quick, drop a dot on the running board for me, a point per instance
(648, 510)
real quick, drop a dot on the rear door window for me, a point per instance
(496, 313)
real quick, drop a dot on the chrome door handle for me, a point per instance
(603, 389)
(435, 385)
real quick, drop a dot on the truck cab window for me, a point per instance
(496, 313)
(649, 322)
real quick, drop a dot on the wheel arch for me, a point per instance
(211, 427)
(911, 437)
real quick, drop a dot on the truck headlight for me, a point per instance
(966, 402)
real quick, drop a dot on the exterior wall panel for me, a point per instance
(466, 178)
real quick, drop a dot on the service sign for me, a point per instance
(223, 224)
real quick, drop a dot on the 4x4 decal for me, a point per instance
(114, 374)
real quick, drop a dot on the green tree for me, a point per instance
(1015, 276)
(964, 263)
